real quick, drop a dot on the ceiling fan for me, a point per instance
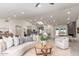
(40, 3)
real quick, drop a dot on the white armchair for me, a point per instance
(62, 42)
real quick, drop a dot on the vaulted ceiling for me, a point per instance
(59, 13)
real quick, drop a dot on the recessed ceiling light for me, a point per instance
(22, 12)
(51, 16)
(68, 18)
(68, 12)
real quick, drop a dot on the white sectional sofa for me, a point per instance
(17, 50)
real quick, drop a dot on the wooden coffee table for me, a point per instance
(43, 50)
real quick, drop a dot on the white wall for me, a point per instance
(12, 24)
(3, 24)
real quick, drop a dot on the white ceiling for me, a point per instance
(33, 14)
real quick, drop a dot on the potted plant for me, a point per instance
(44, 38)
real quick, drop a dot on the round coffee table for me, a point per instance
(43, 50)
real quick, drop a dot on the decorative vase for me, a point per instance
(43, 43)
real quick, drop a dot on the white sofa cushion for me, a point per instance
(8, 41)
(16, 41)
(2, 45)
(21, 41)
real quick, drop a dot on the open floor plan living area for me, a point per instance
(39, 29)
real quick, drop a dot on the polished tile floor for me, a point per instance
(74, 46)
(73, 50)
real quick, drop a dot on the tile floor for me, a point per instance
(73, 50)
